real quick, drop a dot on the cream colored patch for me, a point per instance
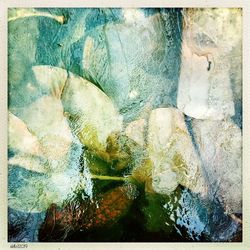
(172, 153)
(211, 46)
(51, 79)
(135, 131)
(133, 15)
(20, 137)
(28, 162)
(88, 50)
(24, 13)
(133, 94)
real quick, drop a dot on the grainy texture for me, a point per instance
(124, 124)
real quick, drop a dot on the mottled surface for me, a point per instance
(210, 81)
(125, 125)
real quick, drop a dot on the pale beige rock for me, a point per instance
(46, 120)
(211, 47)
(136, 131)
(20, 138)
(172, 153)
(44, 123)
(92, 113)
(220, 146)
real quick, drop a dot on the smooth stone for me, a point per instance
(170, 148)
(46, 120)
(211, 46)
(135, 130)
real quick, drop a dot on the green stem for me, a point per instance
(113, 178)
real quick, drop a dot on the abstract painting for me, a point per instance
(125, 125)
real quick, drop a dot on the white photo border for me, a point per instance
(5, 4)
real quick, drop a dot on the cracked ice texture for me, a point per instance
(211, 47)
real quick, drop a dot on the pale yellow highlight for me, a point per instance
(24, 13)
